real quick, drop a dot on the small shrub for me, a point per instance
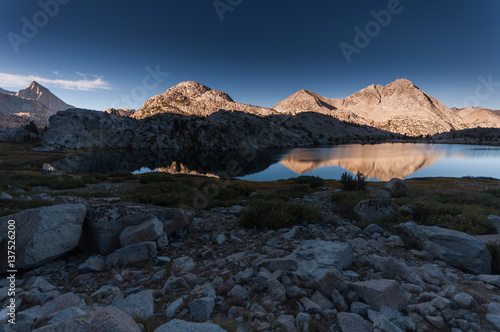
(90, 179)
(276, 213)
(351, 183)
(312, 181)
(346, 201)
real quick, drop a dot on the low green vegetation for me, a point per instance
(186, 192)
(462, 211)
(278, 210)
(28, 180)
(466, 212)
(276, 213)
(94, 178)
(13, 206)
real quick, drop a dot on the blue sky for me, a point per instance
(98, 54)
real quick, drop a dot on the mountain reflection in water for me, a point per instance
(382, 161)
(376, 161)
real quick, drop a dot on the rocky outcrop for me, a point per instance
(16, 135)
(104, 221)
(120, 111)
(455, 248)
(83, 129)
(42, 234)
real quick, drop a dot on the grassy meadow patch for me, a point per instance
(465, 208)
(195, 193)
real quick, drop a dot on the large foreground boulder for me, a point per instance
(132, 254)
(457, 249)
(42, 234)
(109, 319)
(105, 221)
(147, 231)
(317, 257)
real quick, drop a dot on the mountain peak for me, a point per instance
(402, 82)
(38, 92)
(188, 89)
(34, 84)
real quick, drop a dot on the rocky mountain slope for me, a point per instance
(399, 107)
(84, 129)
(17, 112)
(475, 117)
(191, 98)
(35, 103)
(35, 91)
(6, 92)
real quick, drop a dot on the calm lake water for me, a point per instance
(377, 161)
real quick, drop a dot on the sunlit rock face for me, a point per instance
(475, 117)
(192, 98)
(35, 103)
(399, 107)
(37, 92)
(381, 161)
